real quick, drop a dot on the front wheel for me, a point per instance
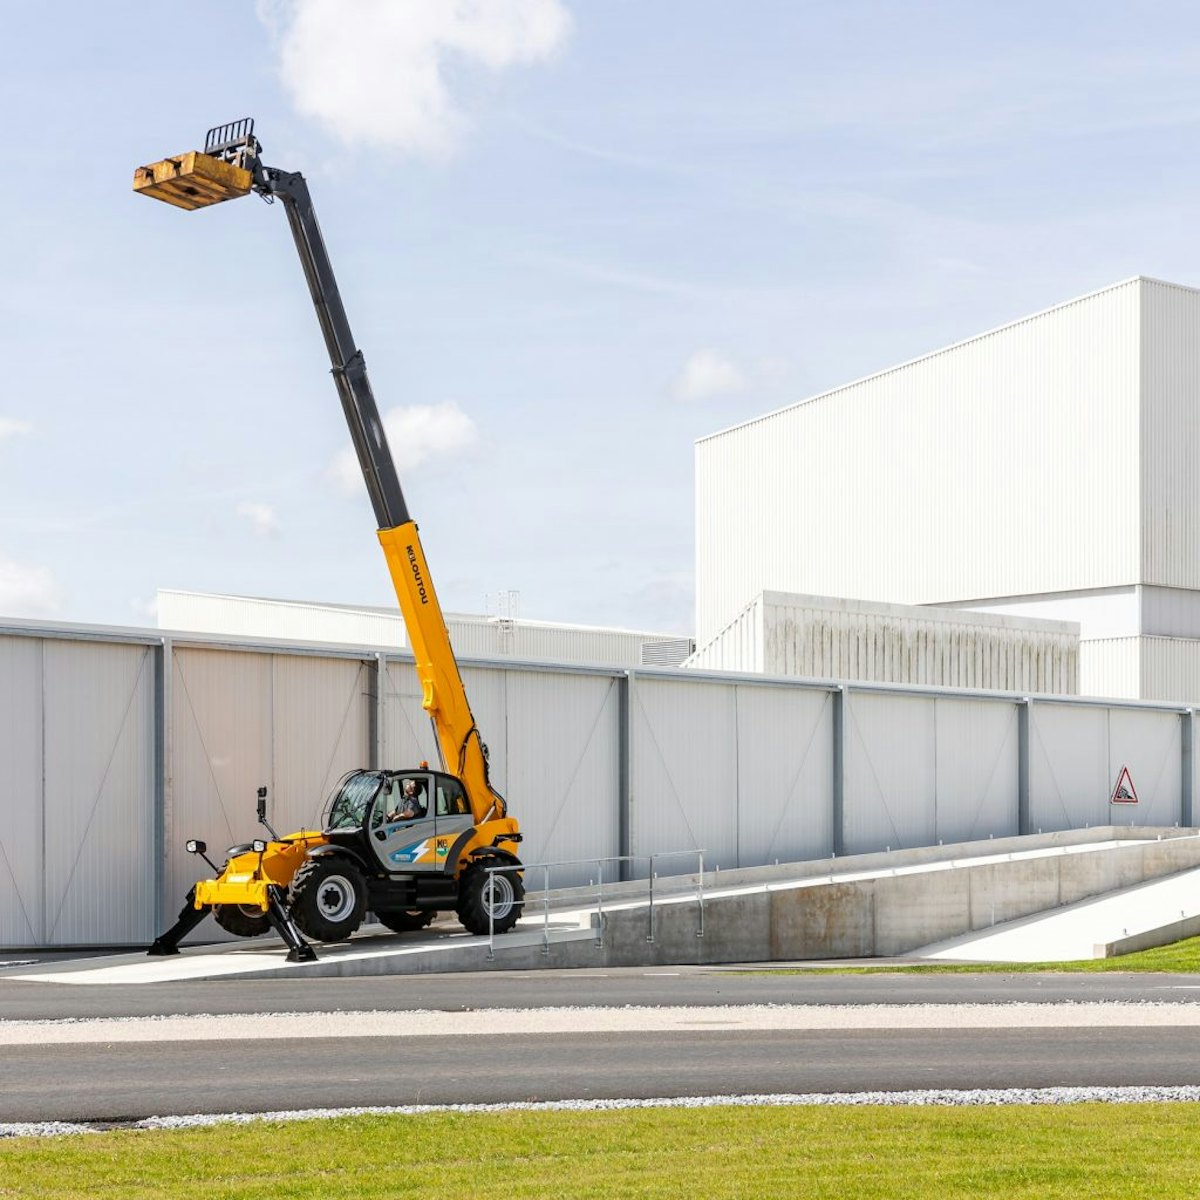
(327, 899)
(242, 920)
(498, 894)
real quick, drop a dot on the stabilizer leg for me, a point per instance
(189, 917)
(298, 949)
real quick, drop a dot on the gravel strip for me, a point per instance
(973, 1097)
(668, 1019)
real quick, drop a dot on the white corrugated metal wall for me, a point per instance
(595, 763)
(77, 765)
(1170, 437)
(853, 493)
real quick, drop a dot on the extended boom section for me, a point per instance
(402, 843)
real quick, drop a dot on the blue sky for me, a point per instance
(571, 237)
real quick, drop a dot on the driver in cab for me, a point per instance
(412, 803)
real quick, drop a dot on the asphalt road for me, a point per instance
(541, 989)
(129, 1082)
(122, 1081)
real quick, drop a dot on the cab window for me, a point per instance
(451, 800)
(400, 803)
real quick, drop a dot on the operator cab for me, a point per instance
(410, 819)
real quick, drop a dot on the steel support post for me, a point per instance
(625, 685)
(840, 696)
(1024, 814)
(1186, 782)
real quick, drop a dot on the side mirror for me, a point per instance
(262, 805)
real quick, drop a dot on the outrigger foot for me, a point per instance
(189, 917)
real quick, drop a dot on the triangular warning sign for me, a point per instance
(1124, 792)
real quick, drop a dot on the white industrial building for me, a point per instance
(383, 628)
(1045, 469)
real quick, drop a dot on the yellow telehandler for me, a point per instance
(402, 843)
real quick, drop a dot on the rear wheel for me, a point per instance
(327, 899)
(242, 920)
(405, 920)
(500, 894)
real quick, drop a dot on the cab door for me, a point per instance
(452, 814)
(405, 845)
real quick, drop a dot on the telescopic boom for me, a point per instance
(230, 166)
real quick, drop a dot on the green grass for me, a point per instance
(1084, 1150)
(1180, 958)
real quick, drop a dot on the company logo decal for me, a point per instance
(409, 853)
(416, 570)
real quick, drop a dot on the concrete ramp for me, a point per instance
(931, 899)
(1135, 918)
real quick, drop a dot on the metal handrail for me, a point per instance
(599, 863)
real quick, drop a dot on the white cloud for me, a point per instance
(10, 427)
(262, 517)
(374, 72)
(415, 434)
(707, 375)
(28, 591)
(147, 610)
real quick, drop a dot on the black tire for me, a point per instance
(475, 899)
(405, 920)
(242, 920)
(328, 898)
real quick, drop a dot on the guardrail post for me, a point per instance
(650, 906)
(599, 904)
(545, 908)
(700, 892)
(491, 954)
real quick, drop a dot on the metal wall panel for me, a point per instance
(977, 769)
(684, 790)
(406, 735)
(785, 774)
(1148, 744)
(1170, 436)
(99, 793)
(221, 753)
(1111, 667)
(891, 764)
(22, 866)
(1170, 669)
(931, 482)
(1069, 767)
(563, 782)
(320, 727)
(488, 690)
